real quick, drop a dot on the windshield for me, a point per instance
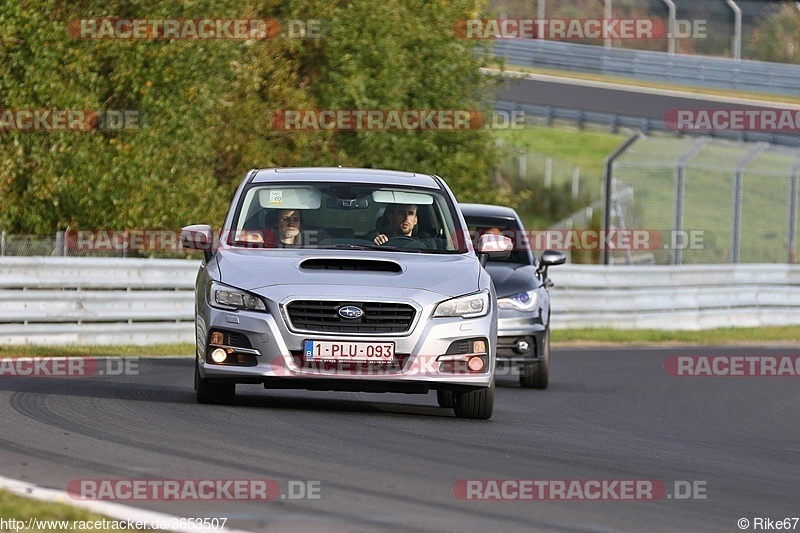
(355, 216)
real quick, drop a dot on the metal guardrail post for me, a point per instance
(680, 174)
(608, 180)
(791, 255)
(737, 30)
(607, 16)
(540, 14)
(738, 184)
(671, 27)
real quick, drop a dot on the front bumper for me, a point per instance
(520, 340)
(265, 351)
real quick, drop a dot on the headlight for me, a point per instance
(470, 306)
(524, 301)
(225, 297)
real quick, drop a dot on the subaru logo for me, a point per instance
(350, 311)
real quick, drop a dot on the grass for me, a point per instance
(649, 167)
(600, 335)
(586, 149)
(722, 336)
(33, 350)
(19, 508)
(767, 97)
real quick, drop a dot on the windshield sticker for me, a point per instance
(275, 197)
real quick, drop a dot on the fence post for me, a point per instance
(680, 174)
(608, 180)
(738, 184)
(791, 254)
(576, 181)
(59, 251)
(3, 243)
(548, 171)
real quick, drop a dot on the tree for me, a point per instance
(206, 106)
(777, 38)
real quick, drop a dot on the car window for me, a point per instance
(340, 215)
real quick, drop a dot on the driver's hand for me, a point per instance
(380, 239)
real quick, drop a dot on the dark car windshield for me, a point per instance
(346, 216)
(480, 225)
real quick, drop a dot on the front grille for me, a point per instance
(323, 317)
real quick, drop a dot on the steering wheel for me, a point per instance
(404, 241)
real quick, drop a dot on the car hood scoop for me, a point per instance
(369, 265)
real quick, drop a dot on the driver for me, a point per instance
(403, 220)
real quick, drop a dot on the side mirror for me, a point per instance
(494, 246)
(550, 258)
(198, 237)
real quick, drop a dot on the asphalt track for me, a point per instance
(390, 462)
(615, 99)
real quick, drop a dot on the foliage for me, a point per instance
(205, 106)
(777, 38)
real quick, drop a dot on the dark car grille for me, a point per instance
(378, 317)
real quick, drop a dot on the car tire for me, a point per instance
(537, 375)
(477, 404)
(446, 398)
(212, 393)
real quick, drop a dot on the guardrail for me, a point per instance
(717, 72)
(675, 297)
(547, 115)
(53, 300)
(89, 301)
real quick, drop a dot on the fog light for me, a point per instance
(479, 347)
(523, 345)
(217, 338)
(475, 364)
(219, 355)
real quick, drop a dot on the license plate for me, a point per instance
(358, 352)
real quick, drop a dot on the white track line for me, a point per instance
(112, 510)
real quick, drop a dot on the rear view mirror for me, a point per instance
(198, 237)
(346, 203)
(550, 258)
(494, 246)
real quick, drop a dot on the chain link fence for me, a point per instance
(711, 201)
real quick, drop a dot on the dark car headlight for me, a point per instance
(522, 301)
(224, 297)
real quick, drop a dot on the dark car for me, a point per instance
(523, 297)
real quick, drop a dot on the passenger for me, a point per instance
(402, 219)
(289, 222)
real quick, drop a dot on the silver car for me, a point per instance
(346, 279)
